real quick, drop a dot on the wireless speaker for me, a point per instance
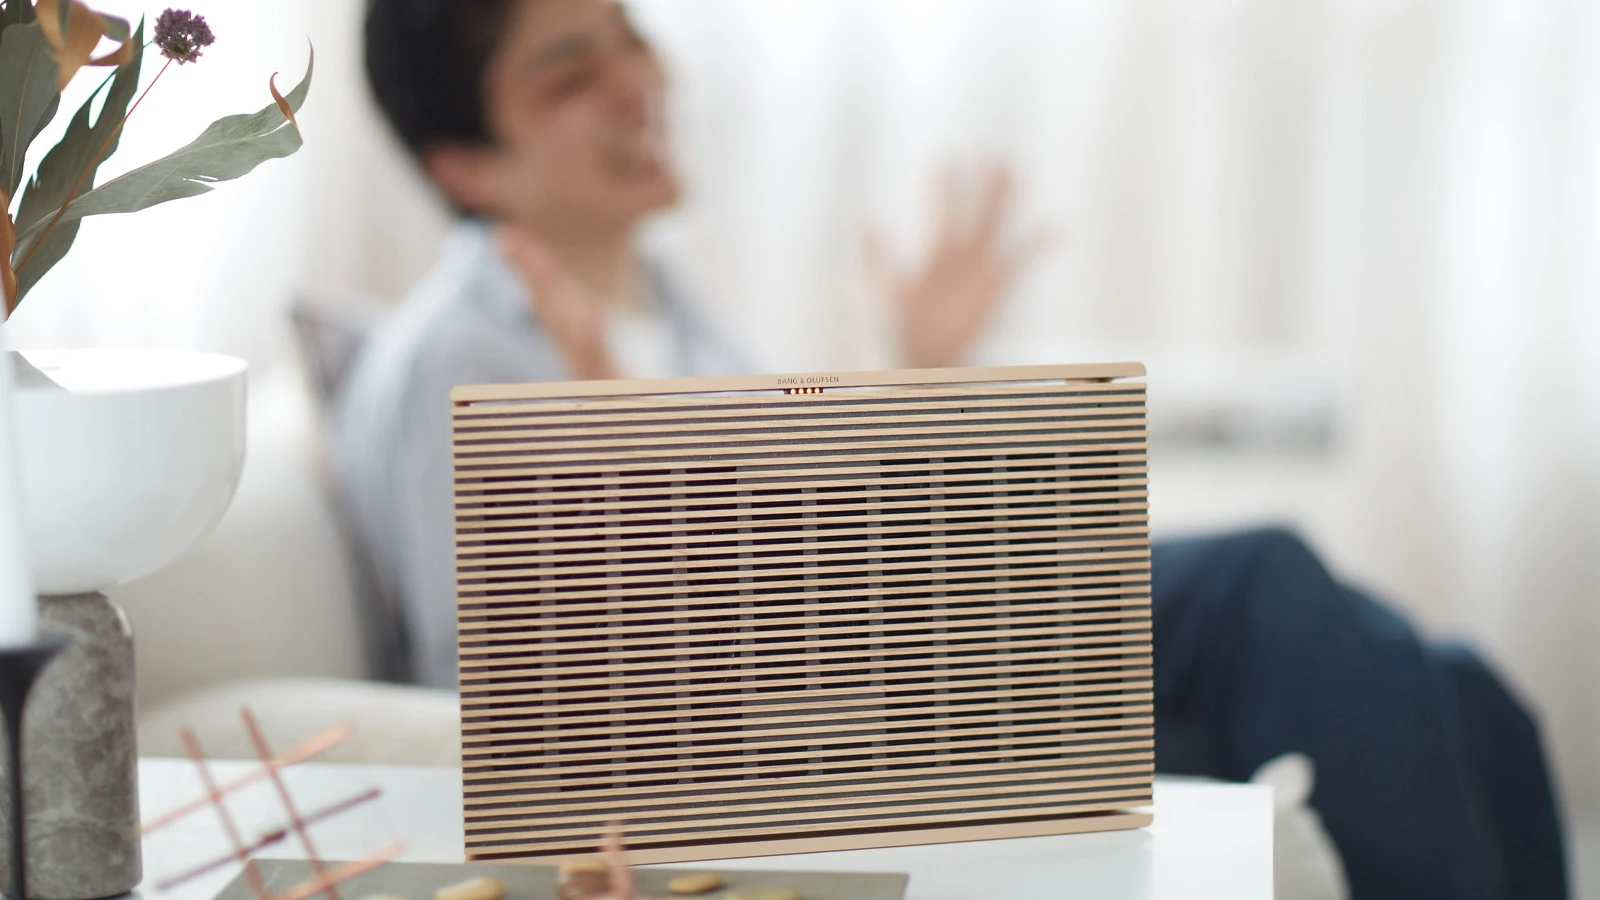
(775, 614)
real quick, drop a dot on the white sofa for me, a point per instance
(264, 613)
(270, 595)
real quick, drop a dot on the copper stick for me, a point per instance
(310, 748)
(264, 751)
(192, 745)
(269, 839)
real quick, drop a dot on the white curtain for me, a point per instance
(1401, 197)
(1391, 207)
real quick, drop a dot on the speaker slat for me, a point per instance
(738, 617)
(537, 624)
(589, 428)
(817, 575)
(689, 681)
(744, 635)
(1069, 540)
(693, 710)
(844, 764)
(708, 455)
(749, 730)
(1015, 778)
(838, 756)
(1110, 602)
(713, 466)
(685, 670)
(831, 808)
(1086, 817)
(744, 504)
(494, 766)
(627, 439)
(971, 800)
(487, 671)
(659, 714)
(712, 570)
(951, 540)
(742, 645)
(1098, 723)
(820, 537)
(1107, 470)
(755, 524)
(951, 590)
(471, 416)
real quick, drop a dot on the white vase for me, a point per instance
(128, 457)
(16, 583)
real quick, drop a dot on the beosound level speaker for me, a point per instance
(776, 614)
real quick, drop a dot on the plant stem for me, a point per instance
(89, 166)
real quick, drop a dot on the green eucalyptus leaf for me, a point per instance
(229, 148)
(69, 169)
(28, 97)
(16, 12)
(44, 120)
(52, 249)
(83, 148)
(116, 29)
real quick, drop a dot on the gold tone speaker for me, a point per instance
(776, 614)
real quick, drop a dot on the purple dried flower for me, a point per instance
(180, 34)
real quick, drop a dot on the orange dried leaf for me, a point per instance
(283, 105)
(8, 275)
(85, 28)
(7, 247)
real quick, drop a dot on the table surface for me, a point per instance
(1208, 840)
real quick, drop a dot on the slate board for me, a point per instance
(418, 881)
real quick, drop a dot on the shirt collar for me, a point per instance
(471, 260)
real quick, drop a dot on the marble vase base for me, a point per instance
(80, 768)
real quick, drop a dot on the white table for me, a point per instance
(1208, 840)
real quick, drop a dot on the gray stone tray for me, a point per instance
(418, 881)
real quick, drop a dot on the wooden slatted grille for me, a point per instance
(744, 620)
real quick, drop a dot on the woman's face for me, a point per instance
(575, 105)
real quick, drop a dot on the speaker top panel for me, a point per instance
(790, 384)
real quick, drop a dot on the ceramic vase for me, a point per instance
(127, 458)
(16, 582)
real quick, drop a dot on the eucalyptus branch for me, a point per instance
(62, 190)
(6, 205)
(88, 167)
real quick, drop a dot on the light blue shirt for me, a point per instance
(469, 322)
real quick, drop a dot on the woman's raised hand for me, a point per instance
(944, 307)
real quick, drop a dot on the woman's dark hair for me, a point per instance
(426, 61)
